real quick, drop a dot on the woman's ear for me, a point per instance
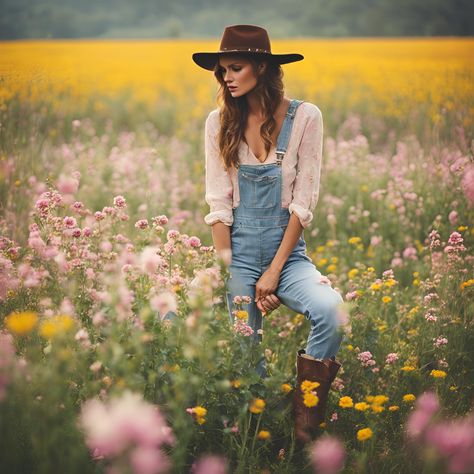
(262, 67)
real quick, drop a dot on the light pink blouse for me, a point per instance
(301, 168)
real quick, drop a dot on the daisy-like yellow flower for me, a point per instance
(369, 398)
(393, 408)
(409, 397)
(200, 411)
(257, 406)
(308, 386)
(407, 368)
(21, 323)
(331, 268)
(321, 262)
(364, 434)
(438, 374)
(354, 240)
(352, 273)
(310, 399)
(242, 314)
(346, 402)
(462, 228)
(375, 286)
(390, 282)
(466, 284)
(380, 399)
(350, 347)
(377, 408)
(285, 387)
(263, 434)
(56, 325)
(386, 299)
(235, 383)
(361, 406)
(453, 388)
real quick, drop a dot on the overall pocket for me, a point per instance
(258, 192)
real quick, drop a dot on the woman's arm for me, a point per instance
(221, 239)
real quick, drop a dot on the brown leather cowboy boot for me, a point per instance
(315, 370)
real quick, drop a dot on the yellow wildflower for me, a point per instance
(407, 368)
(200, 411)
(331, 268)
(346, 402)
(320, 248)
(334, 259)
(235, 383)
(21, 323)
(375, 286)
(409, 397)
(56, 325)
(200, 420)
(354, 240)
(308, 386)
(364, 434)
(322, 424)
(370, 269)
(350, 347)
(380, 399)
(257, 406)
(438, 373)
(393, 408)
(242, 314)
(467, 283)
(377, 408)
(390, 282)
(386, 299)
(263, 434)
(453, 388)
(361, 406)
(286, 387)
(321, 262)
(369, 398)
(310, 399)
(352, 273)
(462, 228)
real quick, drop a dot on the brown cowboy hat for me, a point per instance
(244, 39)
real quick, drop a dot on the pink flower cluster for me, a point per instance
(241, 327)
(366, 359)
(391, 358)
(440, 341)
(328, 455)
(451, 440)
(127, 429)
(242, 299)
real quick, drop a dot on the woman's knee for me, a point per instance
(323, 309)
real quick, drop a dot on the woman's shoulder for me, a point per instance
(213, 118)
(310, 110)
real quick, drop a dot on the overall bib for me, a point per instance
(258, 227)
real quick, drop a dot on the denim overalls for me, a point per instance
(258, 227)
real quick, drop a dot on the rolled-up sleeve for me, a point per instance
(219, 189)
(306, 186)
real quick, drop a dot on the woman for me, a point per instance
(263, 157)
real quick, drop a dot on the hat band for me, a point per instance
(255, 50)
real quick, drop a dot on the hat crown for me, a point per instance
(245, 38)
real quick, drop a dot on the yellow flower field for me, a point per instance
(388, 77)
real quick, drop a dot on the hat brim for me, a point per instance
(208, 60)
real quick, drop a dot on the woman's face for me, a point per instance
(237, 73)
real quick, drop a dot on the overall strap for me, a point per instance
(285, 132)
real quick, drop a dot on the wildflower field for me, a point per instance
(102, 235)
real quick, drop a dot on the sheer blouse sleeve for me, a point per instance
(219, 189)
(306, 185)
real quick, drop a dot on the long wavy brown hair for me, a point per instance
(234, 111)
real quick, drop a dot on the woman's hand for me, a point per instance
(265, 289)
(269, 303)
